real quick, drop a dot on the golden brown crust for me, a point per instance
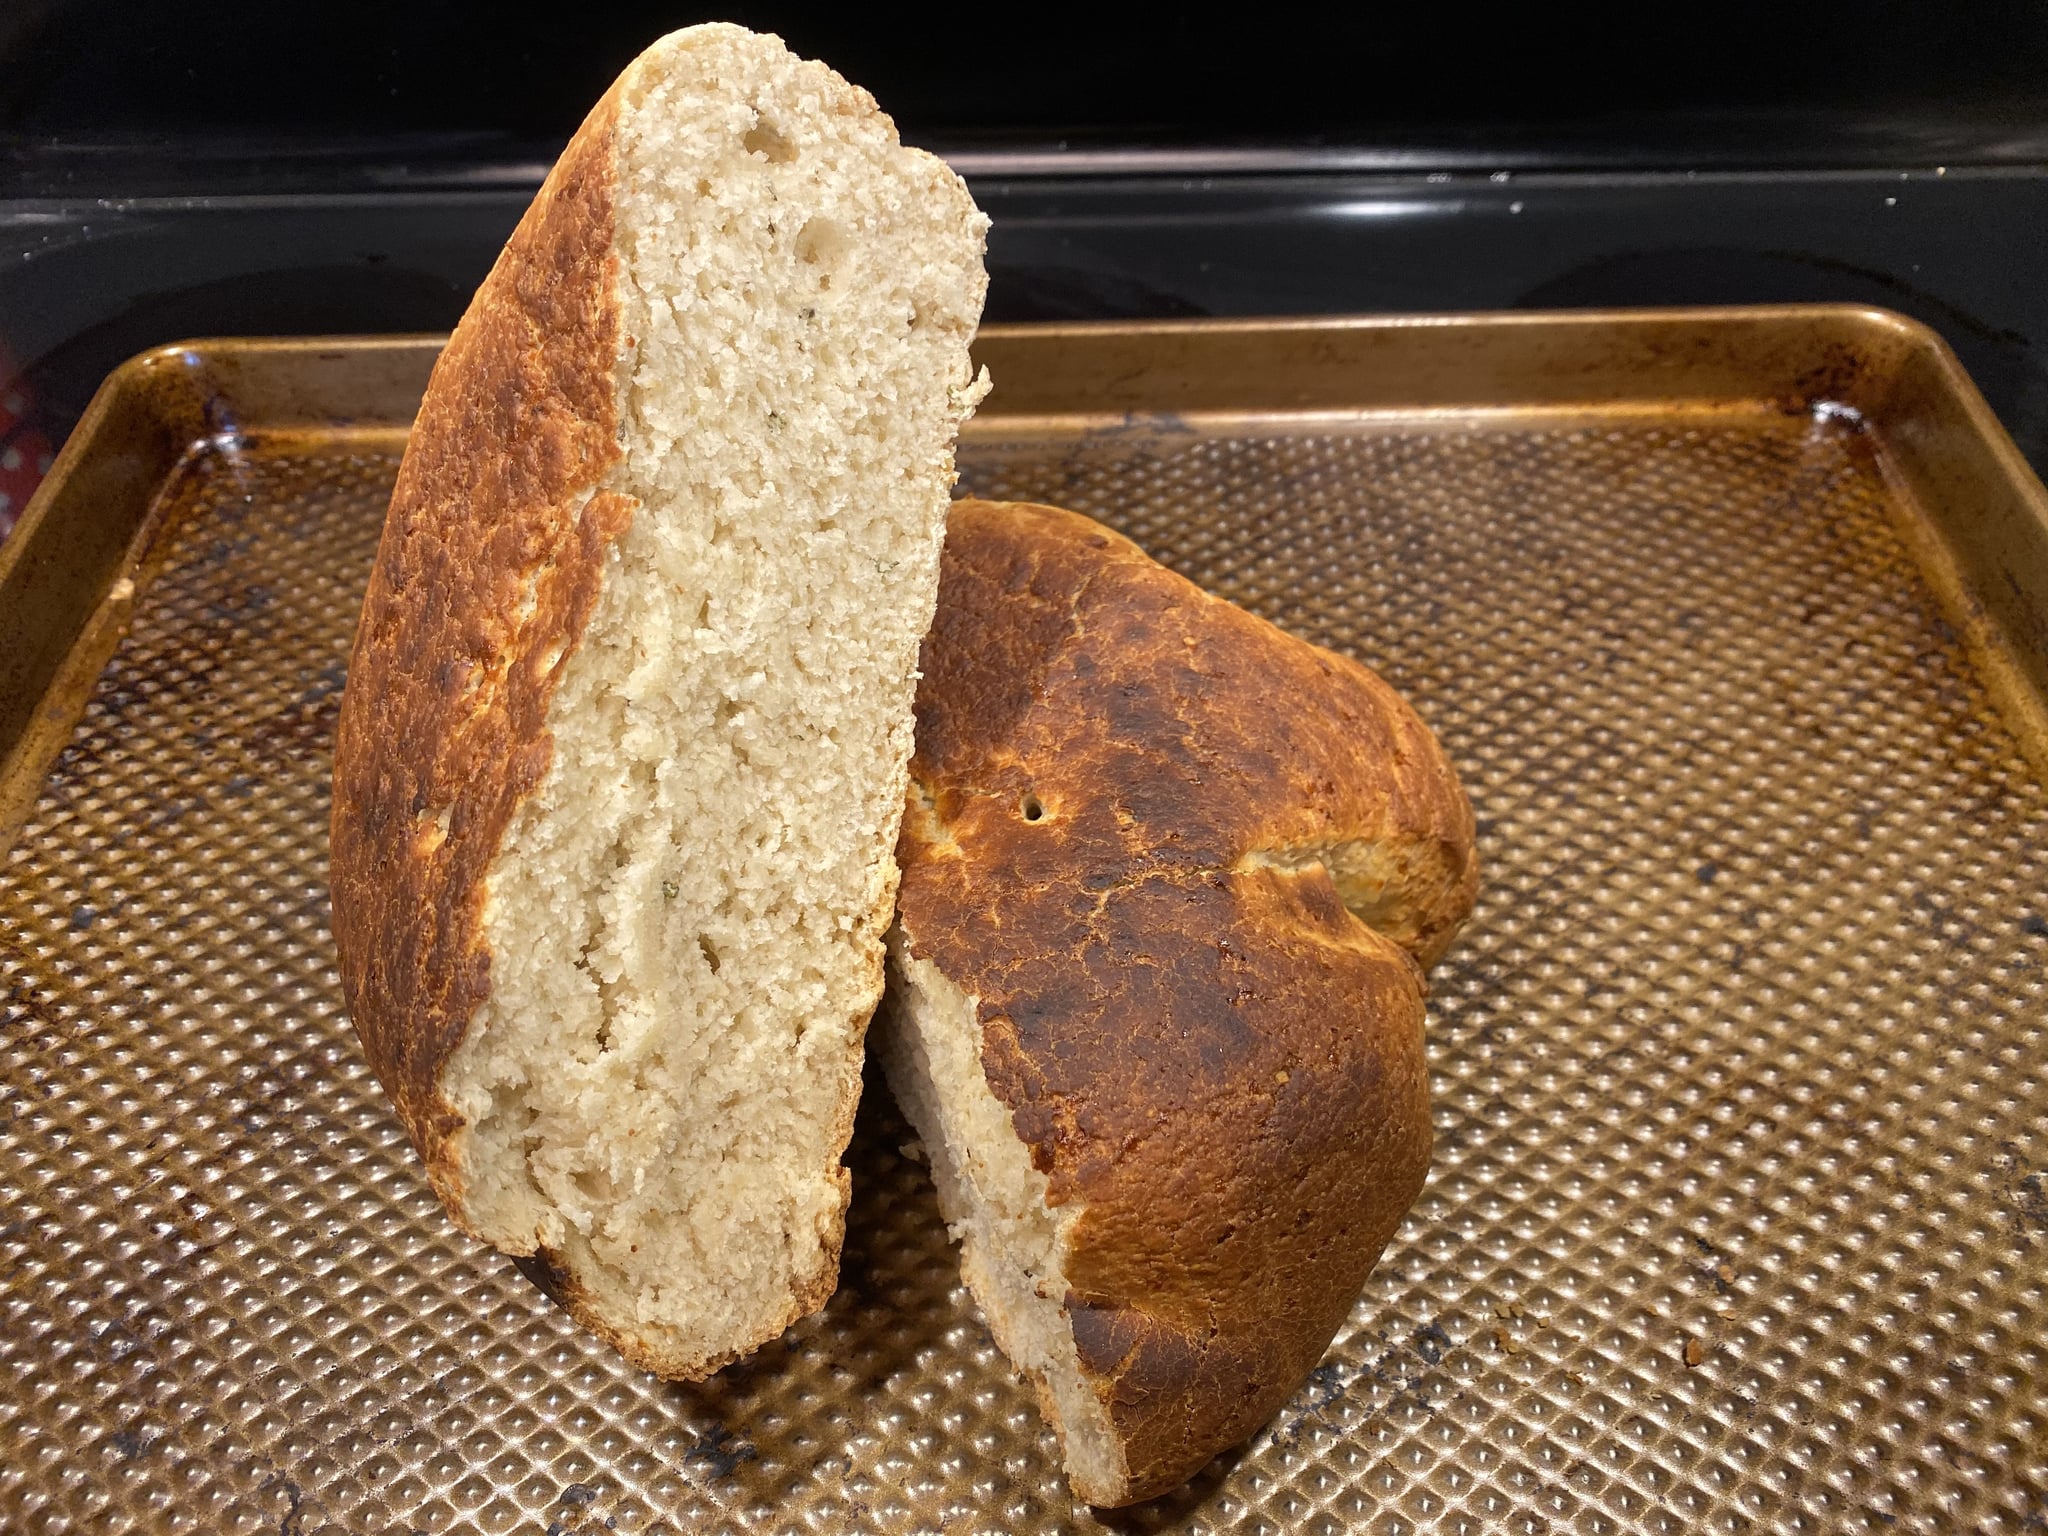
(1120, 789)
(488, 570)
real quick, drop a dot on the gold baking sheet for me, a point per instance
(1734, 625)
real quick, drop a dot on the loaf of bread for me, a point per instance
(1170, 881)
(622, 755)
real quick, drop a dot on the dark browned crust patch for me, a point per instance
(489, 568)
(1199, 1043)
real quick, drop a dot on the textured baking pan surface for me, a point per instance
(1738, 1219)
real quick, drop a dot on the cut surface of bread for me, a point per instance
(1012, 1242)
(622, 752)
(1170, 879)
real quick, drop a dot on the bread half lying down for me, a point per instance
(621, 757)
(1170, 880)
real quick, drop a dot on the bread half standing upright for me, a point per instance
(1170, 881)
(621, 758)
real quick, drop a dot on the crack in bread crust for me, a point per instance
(1215, 1062)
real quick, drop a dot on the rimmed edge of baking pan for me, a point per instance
(1976, 514)
(70, 572)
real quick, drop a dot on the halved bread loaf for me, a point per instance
(1170, 880)
(621, 757)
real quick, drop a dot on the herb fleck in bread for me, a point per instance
(621, 757)
(1170, 880)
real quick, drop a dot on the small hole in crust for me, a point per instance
(1033, 808)
(764, 139)
(709, 952)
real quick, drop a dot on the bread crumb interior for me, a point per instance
(685, 920)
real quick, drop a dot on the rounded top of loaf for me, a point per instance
(1190, 868)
